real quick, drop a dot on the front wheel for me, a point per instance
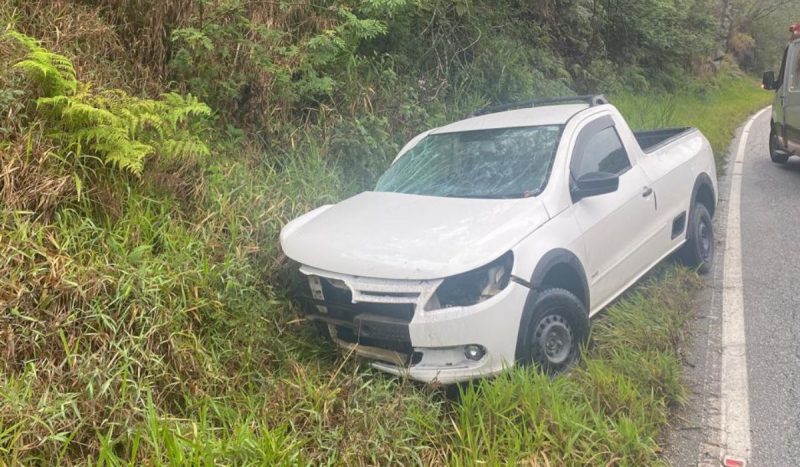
(552, 330)
(777, 157)
(698, 252)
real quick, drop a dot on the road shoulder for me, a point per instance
(693, 437)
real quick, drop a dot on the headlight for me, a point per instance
(474, 286)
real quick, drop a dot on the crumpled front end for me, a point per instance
(387, 322)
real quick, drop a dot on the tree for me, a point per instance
(743, 21)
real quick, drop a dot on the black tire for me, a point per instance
(554, 325)
(698, 252)
(778, 158)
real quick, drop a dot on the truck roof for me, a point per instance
(531, 116)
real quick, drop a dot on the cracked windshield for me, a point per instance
(499, 163)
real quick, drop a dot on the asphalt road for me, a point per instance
(770, 226)
(769, 222)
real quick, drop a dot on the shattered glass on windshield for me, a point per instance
(498, 163)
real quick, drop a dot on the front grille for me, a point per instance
(339, 302)
(379, 325)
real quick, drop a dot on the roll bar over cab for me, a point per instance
(784, 138)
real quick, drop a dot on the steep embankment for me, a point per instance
(143, 302)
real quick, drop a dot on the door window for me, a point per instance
(785, 59)
(794, 69)
(599, 149)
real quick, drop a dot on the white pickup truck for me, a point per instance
(492, 241)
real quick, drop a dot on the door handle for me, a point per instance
(646, 192)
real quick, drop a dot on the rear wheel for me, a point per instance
(698, 252)
(778, 158)
(552, 330)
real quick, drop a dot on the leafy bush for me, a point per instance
(260, 64)
(120, 129)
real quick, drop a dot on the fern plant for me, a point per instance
(54, 73)
(120, 129)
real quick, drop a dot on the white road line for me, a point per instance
(735, 413)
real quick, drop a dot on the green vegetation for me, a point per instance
(607, 411)
(145, 306)
(755, 32)
(119, 129)
(715, 106)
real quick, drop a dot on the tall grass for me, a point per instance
(716, 106)
(607, 411)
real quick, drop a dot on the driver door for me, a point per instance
(790, 99)
(616, 226)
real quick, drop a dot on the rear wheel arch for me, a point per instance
(558, 269)
(703, 192)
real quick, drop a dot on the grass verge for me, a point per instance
(607, 411)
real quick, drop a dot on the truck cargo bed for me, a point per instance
(653, 139)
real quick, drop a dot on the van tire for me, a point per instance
(778, 158)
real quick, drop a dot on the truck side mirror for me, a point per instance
(769, 81)
(594, 184)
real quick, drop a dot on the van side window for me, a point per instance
(599, 151)
(782, 74)
(794, 69)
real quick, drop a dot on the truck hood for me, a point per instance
(401, 236)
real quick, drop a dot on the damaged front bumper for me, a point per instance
(386, 321)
